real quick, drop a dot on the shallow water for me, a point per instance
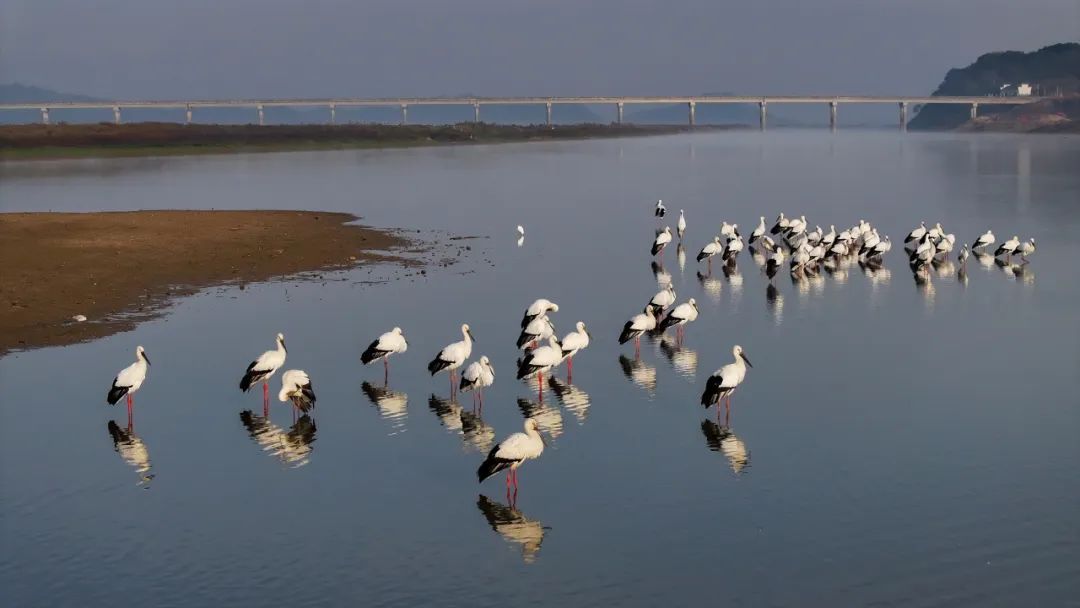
(894, 444)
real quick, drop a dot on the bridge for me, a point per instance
(619, 103)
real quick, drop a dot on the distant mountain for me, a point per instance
(1050, 70)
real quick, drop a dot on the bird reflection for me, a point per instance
(775, 300)
(984, 259)
(293, 447)
(943, 268)
(683, 360)
(477, 434)
(393, 406)
(757, 256)
(721, 439)
(548, 418)
(711, 285)
(680, 254)
(663, 277)
(448, 411)
(521, 240)
(575, 400)
(513, 526)
(640, 373)
(962, 276)
(133, 451)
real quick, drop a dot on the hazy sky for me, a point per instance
(316, 48)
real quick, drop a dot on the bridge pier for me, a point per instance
(262, 115)
(619, 112)
(691, 116)
(832, 115)
(903, 116)
(548, 107)
(187, 114)
(116, 114)
(404, 114)
(762, 111)
(974, 111)
(333, 114)
(44, 116)
(476, 112)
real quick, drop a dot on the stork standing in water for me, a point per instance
(571, 344)
(453, 356)
(723, 382)
(709, 250)
(129, 380)
(540, 360)
(663, 237)
(392, 342)
(681, 226)
(985, 240)
(759, 231)
(478, 375)
(637, 325)
(511, 453)
(661, 210)
(663, 299)
(296, 387)
(1007, 248)
(679, 317)
(1026, 248)
(262, 369)
(538, 330)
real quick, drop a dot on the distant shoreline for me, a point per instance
(48, 142)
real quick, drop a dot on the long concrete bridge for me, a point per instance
(619, 103)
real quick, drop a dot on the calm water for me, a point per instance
(894, 444)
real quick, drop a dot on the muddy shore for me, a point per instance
(120, 268)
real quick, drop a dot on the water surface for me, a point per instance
(895, 444)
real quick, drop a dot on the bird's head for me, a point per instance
(396, 330)
(281, 340)
(738, 351)
(141, 352)
(468, 332)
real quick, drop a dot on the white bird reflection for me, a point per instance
(721, 439)
(514, 527)
(663, 277)
(711, 285)
(293, 447)
(133, 452)
(574, 399)
(548, 418)
(683, 360)
(475, 433)
(640, 373)
(680, 255)
(775, 301)
(393, 406)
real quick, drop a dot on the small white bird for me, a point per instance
(679, 316)
(986, 239)
(390, 343)
(296, 386)
(129, 380)
(537, 308)
(263, 368)
(936, 232)
(1026, 248)
(661, 210)
(963, 255)
(829, 238)
(453, 355)
(520, 231)
(663, 299)
(781, 225)
(759, 231)
(681, 226)
(880, 248)
(478, 375)
(1008, 247)
(725, 380)
(662, 239)
(711, 249)
(79, 318)
(572, 343)
(511, 453)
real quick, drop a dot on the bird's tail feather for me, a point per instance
(116, 393)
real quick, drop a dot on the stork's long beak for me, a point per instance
(283, 345)
(145, 358)
(471, 337)
(743, 355)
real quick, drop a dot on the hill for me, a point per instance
(1050, 70)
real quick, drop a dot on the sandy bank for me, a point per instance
(103, 264)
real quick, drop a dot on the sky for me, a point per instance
(161, 49)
